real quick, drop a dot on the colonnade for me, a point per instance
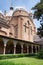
(23, 47)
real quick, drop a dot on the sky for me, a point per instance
(27, 4)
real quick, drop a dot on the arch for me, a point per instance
(1, 46)
(18, 48)
(24, 48)
(10, 47)
(2, 32)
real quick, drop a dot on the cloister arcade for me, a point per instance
(15, 46)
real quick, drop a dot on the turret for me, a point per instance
(11, 7)
(30, 14)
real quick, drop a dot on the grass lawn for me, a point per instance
(22, 61)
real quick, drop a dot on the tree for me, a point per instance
(38, 14)
(38, 10)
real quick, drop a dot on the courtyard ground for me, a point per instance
(22, 61)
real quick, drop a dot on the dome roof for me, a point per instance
(20, 11)
(20, 8)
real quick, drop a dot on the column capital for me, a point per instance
(4, 45)
(14, 42)
(5, 40)
(14, 45)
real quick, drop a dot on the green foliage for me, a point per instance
(38, 14)
(9, 56)
(38, 10)
(40, 54)
(40, 31)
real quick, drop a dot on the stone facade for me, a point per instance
(19, 25)
(17, 31)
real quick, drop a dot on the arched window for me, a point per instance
(10, 33)
(28, 22)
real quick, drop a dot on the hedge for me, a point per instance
(40, 54)
(8, 56)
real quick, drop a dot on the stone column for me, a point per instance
(31, 48)
(5, 40)
(4, 49)
(14, 48)
(27, 49)
(15, 42)
(38, 47)
(21, 48)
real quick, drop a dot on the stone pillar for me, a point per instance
(5, 42)
(4, 49)
(38, 47)
(14, 48)
(31, 48)
(21, 48)
(27, 49)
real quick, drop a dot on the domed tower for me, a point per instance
(23, 26)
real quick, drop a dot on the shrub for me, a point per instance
(40, 54)
(8, 56)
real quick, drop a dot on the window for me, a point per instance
(10, 33)
(16, 31)
(28, 22)
(25, 25)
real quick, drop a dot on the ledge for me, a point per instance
(19, 40)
